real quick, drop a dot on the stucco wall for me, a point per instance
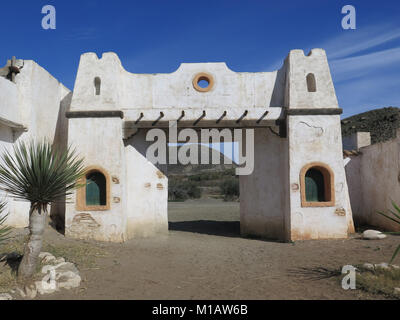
(173, 93)
(314, 138)
(317, 139)
(373, 178)
(298, 66)
(17, 209)
(270, 199)
(356, 141)
(34, 101)
(147, 192)
(9, 101)
(263, 194)
(39, 102)
(99, 142)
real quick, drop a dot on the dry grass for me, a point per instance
(8, 279)
(380, 281)
(82, 254)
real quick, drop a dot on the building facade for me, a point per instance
(297, 189)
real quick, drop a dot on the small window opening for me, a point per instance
(203, 83)
(311, 83)
(315, 186)
(96, 191)
(97, 85)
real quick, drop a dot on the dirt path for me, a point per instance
(208, 260)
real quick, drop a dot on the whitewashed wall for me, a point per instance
(34, 102)
(263, 194)
(99, 142)
(373, 178)
(147, 192)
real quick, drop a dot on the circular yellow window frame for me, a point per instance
(206, 77)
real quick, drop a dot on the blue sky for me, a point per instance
(156, 36)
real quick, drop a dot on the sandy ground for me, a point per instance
(203, 257)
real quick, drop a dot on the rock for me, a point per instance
(382, 265)
(368, 266)
(396, 267)
(5, 296)
(47, 268)
(59, 260)
(47, 285)
(44, 254)
(66, 266)
(68, 280)
(49, 259)
(66, 276)
(373, 235)
(60, 267)
(396, 291)
(31, 291)
(42, 289)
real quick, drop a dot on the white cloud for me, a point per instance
(367, 93)
(350, 42)
(353, 41)
(354, 67)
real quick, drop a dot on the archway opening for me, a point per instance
(204, 198)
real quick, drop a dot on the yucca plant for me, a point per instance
(40, 174)
(4, 230)
(395, 216)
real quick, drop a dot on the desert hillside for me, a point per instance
(382, 123)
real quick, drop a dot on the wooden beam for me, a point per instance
(314, 112)
(95, 114)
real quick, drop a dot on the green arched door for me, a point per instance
(95, 189)
(315, 187)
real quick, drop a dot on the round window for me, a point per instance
(203, 82)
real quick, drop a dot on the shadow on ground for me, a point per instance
(210, 227)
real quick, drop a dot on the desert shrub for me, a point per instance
(194, 192)
(230, 188)
(229, 172)
(204, 176)
(176, 192)
(183, 190)
(215, 175)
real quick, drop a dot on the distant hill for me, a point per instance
(178, 169)
(381, 123)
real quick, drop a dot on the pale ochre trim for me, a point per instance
(203, 76)
(329, 181)
(81, 192)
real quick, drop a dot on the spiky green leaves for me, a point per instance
(39, 173)
(396, 218)
(4, 230)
